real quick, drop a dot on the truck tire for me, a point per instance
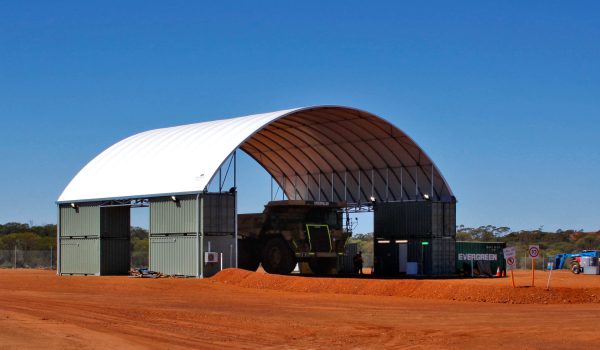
(248, 254)
(278, 257)
(323, 266)
(575, 268)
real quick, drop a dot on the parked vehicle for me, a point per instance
(292, 231)
(574, 260)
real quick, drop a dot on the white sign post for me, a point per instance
(510, 255)
(551, 266)
(534, 252)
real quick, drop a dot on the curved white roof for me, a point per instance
(320, 153)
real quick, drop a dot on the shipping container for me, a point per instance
(174, 226)
(346, 262)
(83, 220)
(80, 256)
(482, 255)
(95, 256)
(168, 216)
(219, 213)
(115, 222)
(94, 220)
(115, 256)
(94, 239)
(423, 219)
(224, 247)
(415, 234)
(173, 254)
(443, 256)
(432, 256)
(177, 254)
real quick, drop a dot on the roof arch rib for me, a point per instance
(329, 153)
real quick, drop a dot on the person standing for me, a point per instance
(358, 263)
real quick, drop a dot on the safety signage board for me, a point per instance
(534, 251)
(510, 252)
(511, 263)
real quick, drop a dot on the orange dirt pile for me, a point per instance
(566, 287)
(39, 310)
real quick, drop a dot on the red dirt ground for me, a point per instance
(240, 309)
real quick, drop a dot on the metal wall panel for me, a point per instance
(173, 254)
(115, 222)
(219, 213)
(443, 256)
(80, 256)
(84, 221)
(437, 219)
(346, 262)
(450, 219)
(115, 256)
(219, 244)
(406, 220)
(403, 219)
(168, 216)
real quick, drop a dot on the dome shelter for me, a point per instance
(321, 153)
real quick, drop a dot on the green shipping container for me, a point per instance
(482, 253)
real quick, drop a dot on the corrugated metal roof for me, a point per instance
(337, 147)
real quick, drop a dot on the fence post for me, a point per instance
(15, 258)
(543, 263)
(51, 266)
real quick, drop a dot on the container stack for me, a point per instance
(413, 234)
(94, 239)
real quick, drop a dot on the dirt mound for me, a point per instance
(485, 290)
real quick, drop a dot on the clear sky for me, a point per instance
(503, 95)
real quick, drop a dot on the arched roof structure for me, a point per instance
(327, 153)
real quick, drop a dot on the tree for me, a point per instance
(590, 241)
(482, 233)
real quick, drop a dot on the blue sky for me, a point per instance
(504, 96)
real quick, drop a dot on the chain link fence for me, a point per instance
(17, 258)
(36, 259)
(139, 259)
(541, 263)
(46, 259)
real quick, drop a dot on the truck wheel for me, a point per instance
(248, 254)
(278, 257)
(575, 268)
(323, 266)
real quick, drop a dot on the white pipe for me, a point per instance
(235, 241)
(58, 241)
(197, 235)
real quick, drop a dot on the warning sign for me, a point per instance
(511, 263)
(510, 255)
(534, 251)
(509, 252)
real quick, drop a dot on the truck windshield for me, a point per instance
(328, 217)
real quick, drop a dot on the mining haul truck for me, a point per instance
(288, 232)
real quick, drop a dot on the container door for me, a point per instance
(402, 257)
(386, 253)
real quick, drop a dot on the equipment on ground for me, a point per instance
(575, 260)
(288, 232)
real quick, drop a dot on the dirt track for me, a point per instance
(238, 309)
